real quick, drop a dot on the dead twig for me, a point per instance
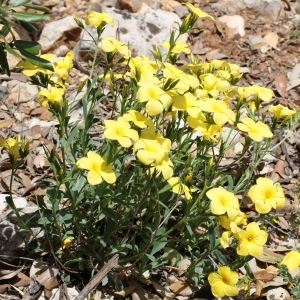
(98, 277)
(294, 168)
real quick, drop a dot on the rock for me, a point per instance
(181, 10)
(13, 238)
(169, 5)
(268, 8)
(234, 25)
(20, 202)
(3, 92)
(57, 30)
(130, 5)
(109, 3)
(140, 32)
(20, 92)
(135, 5)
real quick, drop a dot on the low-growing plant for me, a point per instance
(157, 179)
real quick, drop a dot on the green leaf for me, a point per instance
(37, 61)
(32, 47)
(3, 12)
(12, 51)
(5, 30)
(3, 62)
(158, 246)
(220, 257)
(28, 26)
(15, 3)
(29, 17)
(37, 7)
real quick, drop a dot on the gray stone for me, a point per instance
(140, 32)
(181, 10)
(268, 8)
(53, 31)
(20, 92)
(14, 238)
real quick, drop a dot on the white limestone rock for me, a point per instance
(53, 31)
(140, 32)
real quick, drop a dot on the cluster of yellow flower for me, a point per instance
(53, 95)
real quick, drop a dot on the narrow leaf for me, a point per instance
(37, 7)
(12, 51)
(15, 3)
(5, 30)
(3, 62)
(32, 47)
(3, 12)
(28, 26)
(37, 61)
(29, 17)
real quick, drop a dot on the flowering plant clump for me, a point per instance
(153, 175)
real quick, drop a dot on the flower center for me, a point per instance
(120, 132)
(225, 280)
(223, 201)
(96, 167)
(268, 194)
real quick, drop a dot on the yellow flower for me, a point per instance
(281, 111)
(251, 240)
(262, 93)
(96, 19)
(213, 85)
(252, 106)
(141, 68)
(151, 134)
(223, 202)
(225, 239)
(266, 195)
(157, 99)
(291, 260)
(256, 130)
(111, 77)
(110, 44)
(31, 69)
(66, 243)
(16, 147)
(61, 66)
(197, 11)
(221, 112)
(179, 47)
(98, 168)
(210, 132)
(186, 81)
(54, 96)
(197, 121)
(224, 282)
(164, 167)
(120, 131)
(149, 151)
(232, 223)
(180, 188)
(187, 102)
(138, 119)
